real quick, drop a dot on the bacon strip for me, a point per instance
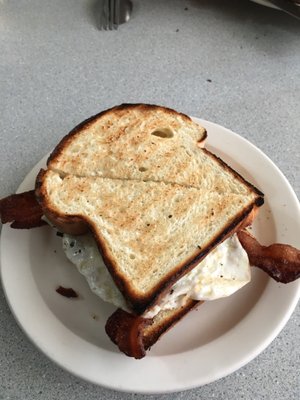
(126, 331)
(134, 334)
(22, 210)
(67, 292)
(280, 261)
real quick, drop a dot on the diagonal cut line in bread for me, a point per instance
(155, 201)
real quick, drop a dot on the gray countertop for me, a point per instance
(231, 62)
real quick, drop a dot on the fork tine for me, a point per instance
(111, 14)
(117, 13)
(106, 14)
(101, 15)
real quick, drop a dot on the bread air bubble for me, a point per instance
(164, 133)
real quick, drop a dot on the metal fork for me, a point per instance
(113, 13)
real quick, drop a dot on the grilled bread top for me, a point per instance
(134, 141)
(151, 230)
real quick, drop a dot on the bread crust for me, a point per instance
(72, 226)
(162, 324)
(260, 200)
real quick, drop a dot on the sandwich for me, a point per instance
(154, 221)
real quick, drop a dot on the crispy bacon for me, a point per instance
(280, 261)
(22, 210)
(134, 334)
(67, 292)
(125, 330)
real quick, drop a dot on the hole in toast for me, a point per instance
(132, 256)
(143, 169)
(164, 133)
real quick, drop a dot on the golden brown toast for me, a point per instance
(133, 141)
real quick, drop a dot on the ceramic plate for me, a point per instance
(210, 343)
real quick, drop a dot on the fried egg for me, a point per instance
(83, 252)
(222, 272)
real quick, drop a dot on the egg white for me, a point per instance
(83, 252)
(223, 271)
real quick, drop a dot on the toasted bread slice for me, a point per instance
(133, 141)
(157, 202)
(149, 233)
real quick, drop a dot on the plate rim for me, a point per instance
(177, 387)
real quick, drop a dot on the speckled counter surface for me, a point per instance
(232, 62)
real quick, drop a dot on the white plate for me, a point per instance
(211, 342)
